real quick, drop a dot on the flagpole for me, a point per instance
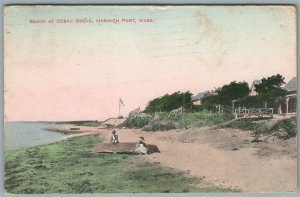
(119, 107)
(120, 103)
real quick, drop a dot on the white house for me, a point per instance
(197, 99)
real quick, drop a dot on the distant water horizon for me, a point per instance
(19, 134)
(48, 121)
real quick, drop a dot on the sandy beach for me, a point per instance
(223, 157)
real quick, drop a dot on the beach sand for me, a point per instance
(223, 157)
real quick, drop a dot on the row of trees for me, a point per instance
(268, 90)
(168, 102)
(269, 93)
(226, 94)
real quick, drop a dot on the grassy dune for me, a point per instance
(187, 119)
(69, 167)
(207, 118)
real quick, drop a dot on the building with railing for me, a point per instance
(290, 97)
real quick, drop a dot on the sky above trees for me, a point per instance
(75, 71)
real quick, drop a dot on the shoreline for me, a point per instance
(224, 157)
(19, 134)
(89, 173)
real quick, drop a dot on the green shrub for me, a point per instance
(288, 125)
(256, 101)
(163, 115)
(203, 118)
(258, 127)
(137, 122)
(160, 125)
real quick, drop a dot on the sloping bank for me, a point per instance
(69, 167)
(285, 125)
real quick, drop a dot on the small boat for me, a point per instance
(115, 148)
(74, 129)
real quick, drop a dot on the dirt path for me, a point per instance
(238, 169)
(224, 157)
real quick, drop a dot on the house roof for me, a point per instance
(138, 110)
(255, 82)
(200, 95)
(291, 85)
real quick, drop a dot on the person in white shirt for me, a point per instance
(114, 138)
(141, 147)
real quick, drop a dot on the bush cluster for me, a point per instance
(288, 125)
(137, 122)
(161, 125)
(258, 127)
(203, 118)
(207, 118)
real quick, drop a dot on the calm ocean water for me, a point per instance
(24, 134)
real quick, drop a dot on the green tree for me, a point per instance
(268, 90)
(234, 90)
(168, 102)
(227, 93)
(271, 86)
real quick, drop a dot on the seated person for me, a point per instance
(141, 147)
(114, 138)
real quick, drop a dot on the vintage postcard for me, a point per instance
(149, 99)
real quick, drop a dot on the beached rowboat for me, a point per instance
(117, 148)
(123, 147)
